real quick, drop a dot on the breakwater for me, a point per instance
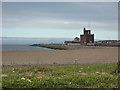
(65, 47)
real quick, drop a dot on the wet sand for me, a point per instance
(82, 56)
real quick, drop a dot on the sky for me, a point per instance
(60, 19)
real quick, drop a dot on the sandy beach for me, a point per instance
(82, 56)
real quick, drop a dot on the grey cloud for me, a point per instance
(41, 15)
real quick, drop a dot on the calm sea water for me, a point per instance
(22, 44)
(21, 48)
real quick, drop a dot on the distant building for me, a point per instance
(108, 43)
(76, 39)
(72, 42)
(87, 38)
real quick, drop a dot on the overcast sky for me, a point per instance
(60, 19)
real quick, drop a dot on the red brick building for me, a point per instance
(87, 38)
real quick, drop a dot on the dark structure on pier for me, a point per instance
(87, 38)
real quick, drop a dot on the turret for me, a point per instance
(84, 30)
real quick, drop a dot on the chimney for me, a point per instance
(84, 30)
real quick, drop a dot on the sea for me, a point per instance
(21, 48)
(23, 44)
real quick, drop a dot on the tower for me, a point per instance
(87, 38)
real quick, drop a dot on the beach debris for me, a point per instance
(13, 69)
(79, 71)
(29, 80)
(22, 78)
(98, 73)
